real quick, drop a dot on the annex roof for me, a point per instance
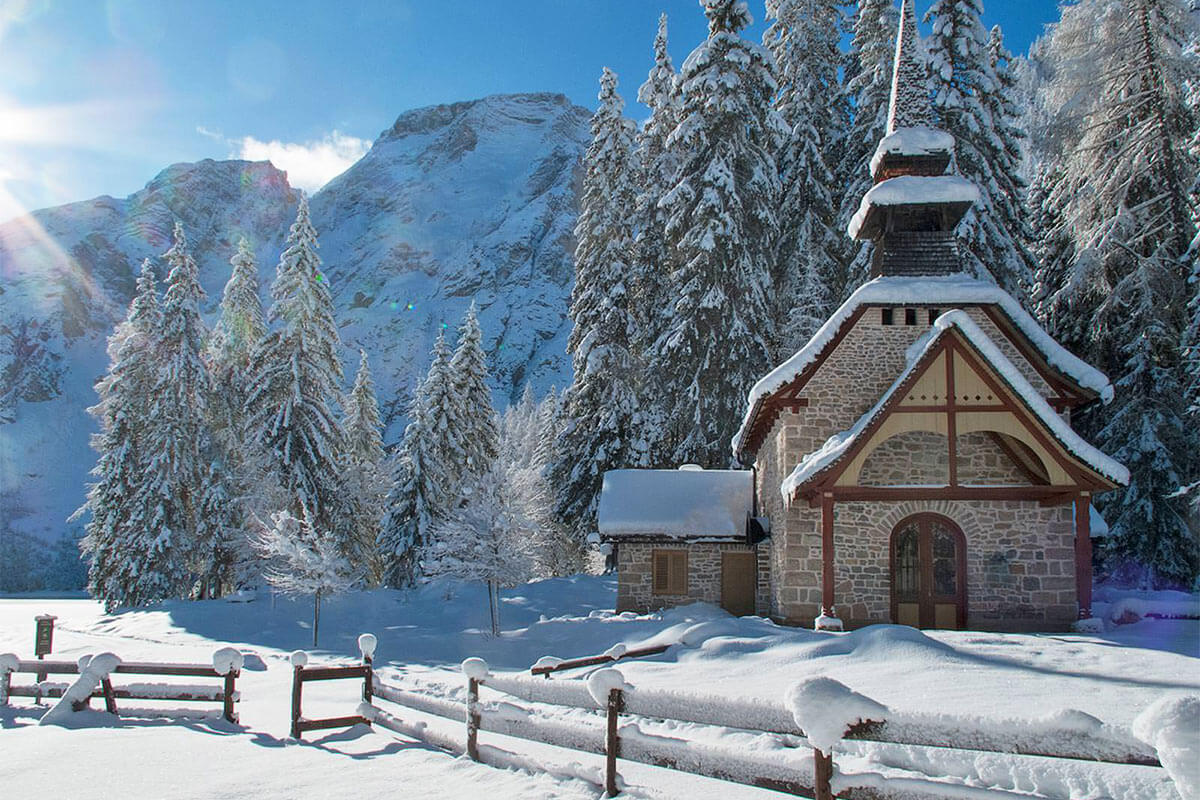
(839, 445)
(945, 291)
(676, 504)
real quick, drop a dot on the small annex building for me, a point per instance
(915, 459)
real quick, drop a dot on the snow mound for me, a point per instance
(1172, 727)
(9, 662)
(825, 709)
(92, 670)
(1089, 625)
(698, 634)
(827, 623)
(602, 681)
(616, 651)
(547, 661)
(299, 658)
(1131, 609)
(475, 668)
(227, 660)
(1071, 719)
(366, 645)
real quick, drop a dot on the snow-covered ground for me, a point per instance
(424, 635)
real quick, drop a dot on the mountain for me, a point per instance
(472, 201)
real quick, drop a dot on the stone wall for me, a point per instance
(907, 459)
(635, 580)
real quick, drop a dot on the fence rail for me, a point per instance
(302, 674)
(593, 661)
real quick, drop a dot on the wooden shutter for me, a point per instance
(670, 572)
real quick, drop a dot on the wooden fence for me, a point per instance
(613, 728)
(225, 692)
(302, 674)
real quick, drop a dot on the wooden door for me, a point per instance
(739, 580)
(929, 573)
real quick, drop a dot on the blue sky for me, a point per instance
(96, 96)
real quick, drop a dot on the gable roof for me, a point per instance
(675, 503)
(959, 289)
(838, 446)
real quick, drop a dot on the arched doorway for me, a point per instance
(929, 573)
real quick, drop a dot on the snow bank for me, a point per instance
(918, 140)
(602, 681)
(825, 709)
(825, 622)
(948, 290)
(92, 670)
(1172, 727)
(475, 668)
(675, 502)
(837, 445)
(227, 660)
(1132, 609)
(913, 190)
(367, 644)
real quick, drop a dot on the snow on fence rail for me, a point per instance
(94, 681)
(819, 713)
(547, 664)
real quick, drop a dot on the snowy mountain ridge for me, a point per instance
(471, 201)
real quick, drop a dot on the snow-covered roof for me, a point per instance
(943, 290)
(919, 140)
(838, 444)
(679, 504)
(906, 190)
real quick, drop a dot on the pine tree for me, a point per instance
(116, 533)
(296, 374)
(423, 485)
(721, 228)
(233, 466)
(1125, 196)
(655, 165)
(974, 104)
(600, 406)
(185, 543)
(474, 430)
(804, 38)
(868, 82)
(365, 475)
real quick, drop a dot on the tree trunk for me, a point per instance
(316, 615)
(494, 605)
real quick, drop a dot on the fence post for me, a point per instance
(299, 659)
(366, 647)
(612, 743)
(230, 691)
(110, 700)
(473, 718)
(822, 775)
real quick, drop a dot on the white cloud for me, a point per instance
(309, 165)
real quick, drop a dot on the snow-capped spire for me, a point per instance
(909, 104)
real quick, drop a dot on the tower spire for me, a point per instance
(909, 104)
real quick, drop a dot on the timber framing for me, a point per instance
(948, 358)
(1068, 394)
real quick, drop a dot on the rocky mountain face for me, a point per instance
(472, 201)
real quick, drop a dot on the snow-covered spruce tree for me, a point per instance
(117, 539)
(974, 103)
(364, 471)
(803, 36)
(422, 483)
(480, 540)
(1126, 199)
(655, 165)
(721, 227)
(187, 545)
(302, 559)
(600, 405)
(868, 84)
(296, 374)
(477, 433)
(228, 491)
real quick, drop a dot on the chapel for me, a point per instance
(914, 462)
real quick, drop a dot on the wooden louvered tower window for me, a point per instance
(670, 572)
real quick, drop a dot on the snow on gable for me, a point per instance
(680, 504)
(837, 445)
(919, 140)
(908, 190)
(946, 291)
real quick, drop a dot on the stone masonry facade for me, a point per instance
(635, 581)
(1020, 558)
